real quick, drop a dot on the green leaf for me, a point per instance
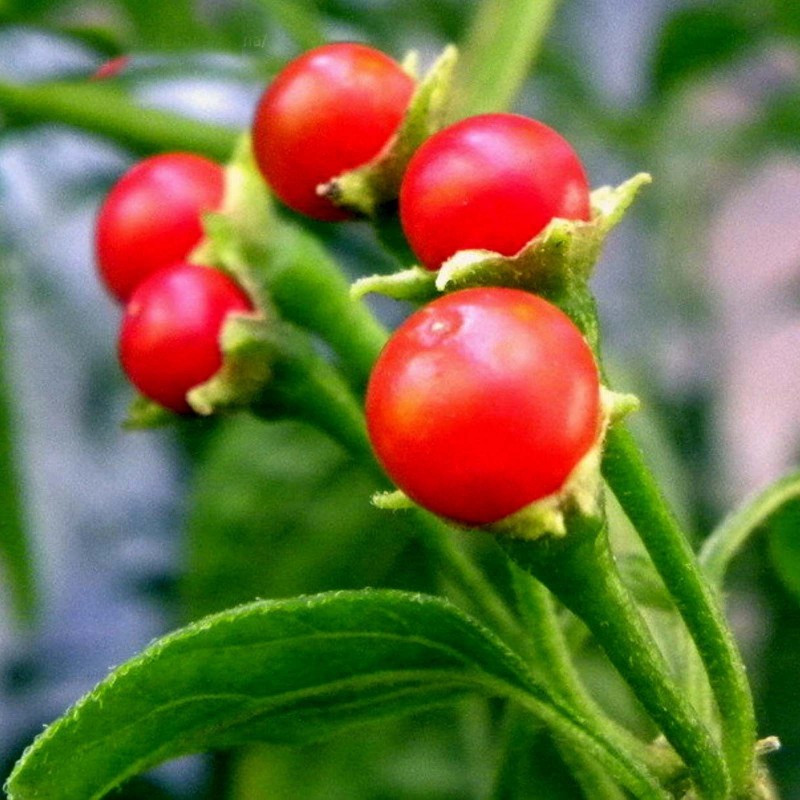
(787, 17)
(776, 510)
(696, 40)
(644, 583)
(282, 671)
(364, 189)
(561, 256)
(278, 509)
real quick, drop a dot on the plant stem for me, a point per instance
(730, 536)
(523, 765)
(457, 567)
(591, 776)
(15, 547)
(299, 19)
(579, 569)
(640, 497)
(310, 389)
(581, 736)
(106, 111)
(501, 45)
(310, 291)
(555, 662)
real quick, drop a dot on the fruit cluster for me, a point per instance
(482, 402)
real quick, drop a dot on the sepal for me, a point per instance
(363, 189)
(561, 256)
(548, 516)
(239, 234)
(145, 414)
(248, 351)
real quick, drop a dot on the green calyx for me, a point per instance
(364, 189)
(561, 256)
(580, 494)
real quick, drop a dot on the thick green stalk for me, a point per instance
(104, 110)
(502, 43)
(308, 388)
(579, 733)
(462, 573)
(554, 663)
(554, 659)
(310, 291)
(579, 569)
(640, 497)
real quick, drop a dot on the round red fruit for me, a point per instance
(490, 182)
(152, 217)
(169, 339)
(330, 110)
(483, 402)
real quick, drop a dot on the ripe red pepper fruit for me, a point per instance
(483, 402)
(489, 182)
(169, 338)
(330, 110)
(152, 217)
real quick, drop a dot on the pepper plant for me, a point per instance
(487, 415)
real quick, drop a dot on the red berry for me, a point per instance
(152, 217)
(169, 339)
(329, 111)
(110, 68)
(483, 402)
(489, 182)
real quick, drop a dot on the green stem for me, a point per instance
(504, 38)
(14, 543)
(724, 543)
(555, 661)
(591, 776)
(461, 571)
(104, 110)
(299, 19)
(308, 388)
(579, 569)
(310, 291)
(579, 733)
(524, 763)
(641, 499)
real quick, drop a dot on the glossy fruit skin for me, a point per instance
(489, 182)
(169, 338)
(483, 402)
(152, 217)
(330, 110)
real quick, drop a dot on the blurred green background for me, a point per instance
(111, 538)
